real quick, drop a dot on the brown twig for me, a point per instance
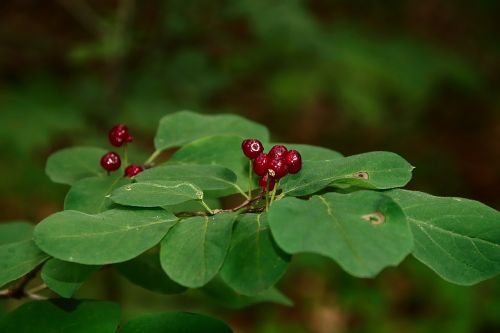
(18, 290)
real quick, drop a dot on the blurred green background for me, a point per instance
(417, 77)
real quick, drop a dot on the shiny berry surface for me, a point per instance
(252, 148)
(133, 170)
(293, 161)
(111, 161)
(277, 151)
(260, 165)
(277, 168)
(119, 135)
(263, 182)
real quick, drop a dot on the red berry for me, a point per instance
(259, 164)
(133, 170)
(119, 135)
(111, 161)
(277, 151)
(277, 168)
(252, 148)
(293, 161)
(263, 182)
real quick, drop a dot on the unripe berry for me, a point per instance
(133, 170)
(119, 135)
(260, 164)
(293, 161)
(252, 148)
(263, 182)
(277, 151)
(111, 161)
(277, 168)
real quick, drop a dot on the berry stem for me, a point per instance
(273, 194)
(267, 192)
(125, 154)
(153, 156)
(211, 212)
(249, 179)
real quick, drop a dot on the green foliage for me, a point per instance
(347, 209)
(115, 235)
(63, 316)
(18, 253)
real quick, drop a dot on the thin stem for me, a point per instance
(211, 212)
(154, 156)
(241, 191)
(125, 154)
(274, 191)
(267, 192)
(250, 179)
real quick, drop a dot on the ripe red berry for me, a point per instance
(252, 148)
(133, 170)
(111, 161)
(293, 161)
(263, 182)
(119, 135)
(277, 151)
(259, 164)
(277, 168)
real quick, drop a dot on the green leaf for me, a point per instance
(364, 231)
(458, 238)
(68, 165)
(115, 235)
(62, 316)
(91, 195)
(193, 251)
(175, 322)
(221, 150)
(226, 296)
(193, 206)
(65, 278)
(254, 262)
(206, 177)
(373, 170)
(156, 193)
(180, 128)
(311, 153)
(18, 253)
(146, 271)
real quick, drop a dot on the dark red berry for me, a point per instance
(293, 161)
(263, 182)
(277, 151)
(277, 168)
(119, 135)
(252, 148)
(259, 164)
(133, 170)
(111, 161)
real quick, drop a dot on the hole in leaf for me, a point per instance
(362, 175)
(375, 218)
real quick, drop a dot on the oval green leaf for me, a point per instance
(65, 278)
(175, 322)
(62, 316)
(18, 253)
(113, 236)
(206, 177)
(458, 238)
(182, 127)
(193, 251)
(373, 170)
(68, 165)
(254, 262)
(156, 193)
(91, 195)
(309, 152)
(146, 272)
(363, 231)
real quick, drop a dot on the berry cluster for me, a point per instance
(274, 165)
(119, 136)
